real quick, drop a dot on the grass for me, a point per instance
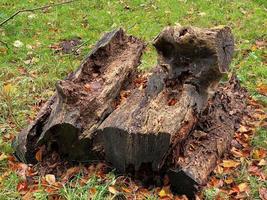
(260, 139)
(28, 73)
(78, 192)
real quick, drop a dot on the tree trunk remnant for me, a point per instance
(145, 128)
(169, 119)
(84, 99)
(191, 163)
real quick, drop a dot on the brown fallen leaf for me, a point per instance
(263, 193)
(70, 173)
(39, 153)
(28, 196)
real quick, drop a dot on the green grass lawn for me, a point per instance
(29, 71)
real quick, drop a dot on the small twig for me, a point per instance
(75, 50)
(33, 9)
(4, 43)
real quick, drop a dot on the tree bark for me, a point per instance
(84, 99)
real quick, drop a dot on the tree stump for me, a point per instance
(106, 109)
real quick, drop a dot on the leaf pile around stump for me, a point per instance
(176, 119)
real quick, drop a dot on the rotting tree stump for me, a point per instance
(108, 110)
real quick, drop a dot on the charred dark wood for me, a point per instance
(197, 157)
(83, 100)
(145, 129)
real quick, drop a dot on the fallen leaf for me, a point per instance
(263, 193)
(234, 190)
(70, 173)
(230, 163)
(3, 157)
(165, 192)
(243, 129)
(50, 179)
(229, 180)
(166, 180)
(262, 89)
(215, 182)
(162, 193)
(22, 186)
(87, 87)
(92, 191)
(261, 43)
(238, 153)
(22, 170)
(112, 190)
(126, 190)
(243, 187)
(39, 153)
(28, 196)
(262, 162)
(258, 154)
(8, 88)
(218, 169)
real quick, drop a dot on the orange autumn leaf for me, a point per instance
(92, 191)
(126, 190)
(258, 154)
(22, 186)
(262, 89)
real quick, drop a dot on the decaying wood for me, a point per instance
(196, 158)
(173, 118)
(84, 99)
(153, 120)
